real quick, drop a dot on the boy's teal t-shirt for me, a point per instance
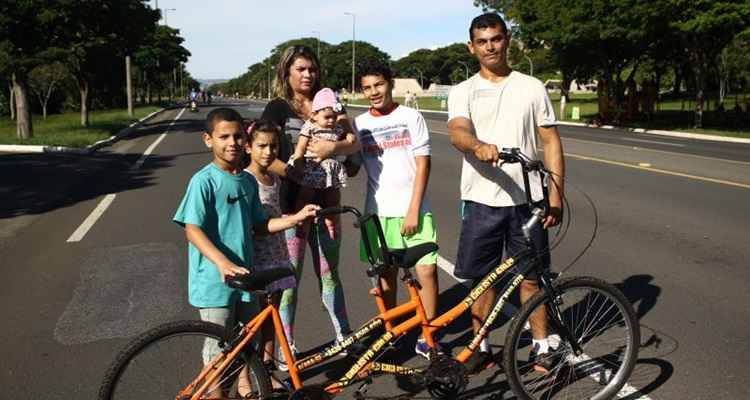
(225, 207)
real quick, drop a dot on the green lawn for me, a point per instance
(66, 130)
(672, 114)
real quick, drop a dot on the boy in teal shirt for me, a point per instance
(221, 212)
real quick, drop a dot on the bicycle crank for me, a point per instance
(444, 378)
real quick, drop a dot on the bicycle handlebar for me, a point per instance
(513, 155)
(338, 210)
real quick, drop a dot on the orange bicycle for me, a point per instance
(596, 326)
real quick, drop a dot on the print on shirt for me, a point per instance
(384, 138)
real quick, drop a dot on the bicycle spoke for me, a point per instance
(599, 322)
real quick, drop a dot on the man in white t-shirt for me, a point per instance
(494, 109)
(396, 155)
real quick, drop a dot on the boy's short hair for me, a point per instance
(487, 20)
(376, 68)
(222, 114)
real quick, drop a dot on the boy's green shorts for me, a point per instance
(393, 239)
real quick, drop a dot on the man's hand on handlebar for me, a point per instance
(487, 152)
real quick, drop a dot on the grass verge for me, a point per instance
(66, 130)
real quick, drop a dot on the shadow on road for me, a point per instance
(37, 183)
(639, 289)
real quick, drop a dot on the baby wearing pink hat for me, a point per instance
(320, 180)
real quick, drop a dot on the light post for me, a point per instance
(268, 82)
(465, 68)
(531, 65)
(354, 58)
(318, 33)
(166, 10)
(421, 78)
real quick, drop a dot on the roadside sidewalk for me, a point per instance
(124, 133)
(684, 135)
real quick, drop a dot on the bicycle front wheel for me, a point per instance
(599, 318)
(163, 361)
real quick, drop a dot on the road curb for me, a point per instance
(684, 135)
(125, 132)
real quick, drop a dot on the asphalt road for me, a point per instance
(669, 223)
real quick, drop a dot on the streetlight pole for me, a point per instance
(268, 81)
(466, 68)
(318, 33)
(354, 58)
(531, 65)
(166, 10)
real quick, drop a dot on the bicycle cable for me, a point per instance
(562, 230)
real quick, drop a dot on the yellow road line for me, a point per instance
(659, 151)
(649, 168)
(661, 171)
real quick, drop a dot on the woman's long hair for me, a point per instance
(281, 85)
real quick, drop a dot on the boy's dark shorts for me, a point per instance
(486, 231)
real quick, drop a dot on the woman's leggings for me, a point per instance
(325, 256)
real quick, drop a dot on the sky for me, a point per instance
(227, 36)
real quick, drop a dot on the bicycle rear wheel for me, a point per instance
(161, 362)
(601, 319)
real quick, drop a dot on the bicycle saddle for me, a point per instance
(408, 257)
(257, 280)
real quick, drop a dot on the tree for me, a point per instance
(43, 80)
(159, 55)
(31, 33)
(100, 30)
(338, 62)
(706, 28)
(589, 38)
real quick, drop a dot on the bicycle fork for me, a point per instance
(554, 314)
(553, 311)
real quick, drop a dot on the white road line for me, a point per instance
(653, 141)
(626, 390)
(91, 219)
(89, 222)
(156, 142)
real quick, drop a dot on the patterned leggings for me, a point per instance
(325, 255)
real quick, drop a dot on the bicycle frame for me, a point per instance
(367, 361)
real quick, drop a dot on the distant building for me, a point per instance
(436, 90)
(402, 85)
(554, 85)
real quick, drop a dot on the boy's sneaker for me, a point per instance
(424, 349)
(281, 362)
(545, 362)
(479, 361)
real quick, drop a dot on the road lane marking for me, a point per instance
(648, 167)
(156, 142)
(653, 141)
(659, 151)
(661, 171)
(89, 222)
(91, 219)
(626, 391)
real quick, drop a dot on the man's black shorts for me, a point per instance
(486, 231)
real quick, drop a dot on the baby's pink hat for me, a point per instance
(323, 99)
